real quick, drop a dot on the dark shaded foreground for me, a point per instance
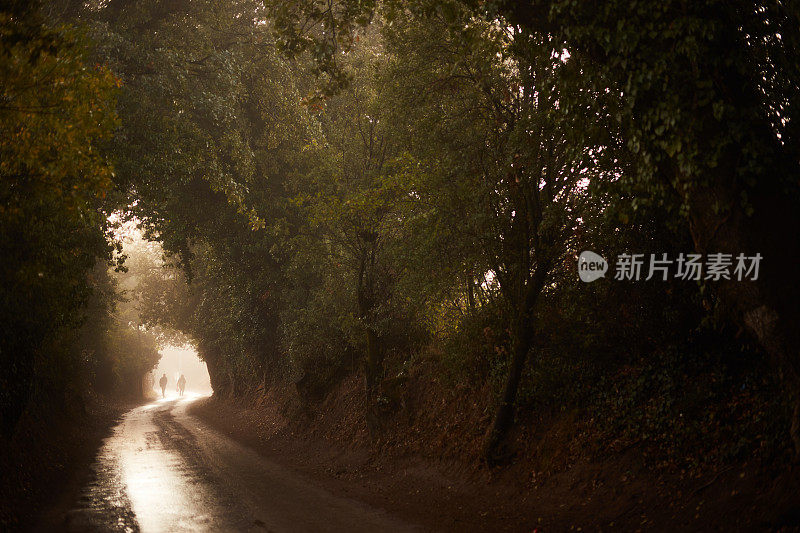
(422, 469)
(164, 470)
(44, 464)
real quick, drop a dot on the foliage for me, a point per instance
(342, 185)
(115, 349)
(55, 111)
(693, 405)
(444, 160)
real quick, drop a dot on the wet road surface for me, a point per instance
(164, 470)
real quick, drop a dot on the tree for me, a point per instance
(709, 94)
(501, 151)
(55, 111)
(213, 128)
(356, 210)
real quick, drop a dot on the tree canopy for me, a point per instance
(356, 186)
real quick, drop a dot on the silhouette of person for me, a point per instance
(181, 384)
(163, 383)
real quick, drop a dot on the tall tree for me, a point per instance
(499, 147)
(56, 109)
(213, 128)
(710, 92)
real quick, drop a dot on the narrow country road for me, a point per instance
(164, 470)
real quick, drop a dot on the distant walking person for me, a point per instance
(163, 383)
(181, 384)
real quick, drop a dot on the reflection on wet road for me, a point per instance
(163, 470)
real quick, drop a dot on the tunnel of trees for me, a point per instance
(373, 187)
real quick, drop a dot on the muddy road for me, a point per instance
(164, 470)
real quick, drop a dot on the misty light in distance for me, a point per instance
(177, 360)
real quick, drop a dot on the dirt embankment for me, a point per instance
(46, 461)
(426, 468)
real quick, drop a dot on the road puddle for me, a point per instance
(163, 470)
(141, 483)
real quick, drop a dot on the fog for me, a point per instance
(177, 360)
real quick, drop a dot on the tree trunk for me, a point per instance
(768, 306)
(470, 292)
(372, 374)
(374, 357)
(211, 357)
(495, 445)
